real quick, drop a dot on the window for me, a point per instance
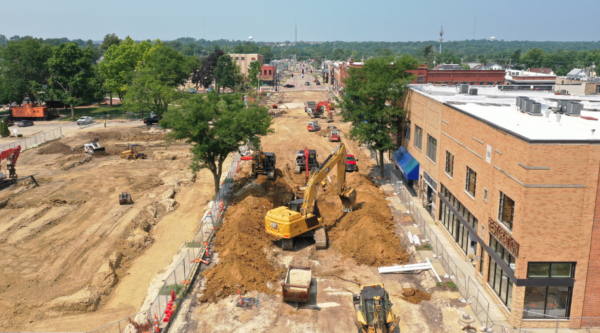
(506, 211)
(551, 301)
(598, 89)
(471, 180)
(557, 270)
(452, 223)
(250, 59)
(500, 283)
(418, 137)
(243, 58)
(237, 58)
(481, 256)
(407, 130)
(485, 193)
(449, 164)
(420, 79)
(431, 148)
(270, 72)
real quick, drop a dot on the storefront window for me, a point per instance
(500, 282)
(547, 302)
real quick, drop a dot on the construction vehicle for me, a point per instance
(334, 136)
(315, 110)
(313, 126)
(263, 163)
(374, 310)
(125, 198)
(301, 218)
(310, 105)
(132, 153)
(11, 155)
(93, 147)
(302, 156)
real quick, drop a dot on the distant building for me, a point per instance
(448, 67)
(532, 80)
(542, 70)
(267, 74)
(577, 87)
(244, 60)
(457, 76)
(578, 74)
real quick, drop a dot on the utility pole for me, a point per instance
(296, 33)
(441, 37)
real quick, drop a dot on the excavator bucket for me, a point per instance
(348, 199)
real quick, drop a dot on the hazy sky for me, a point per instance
(324, 20)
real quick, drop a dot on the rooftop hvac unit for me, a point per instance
(562, 105)
(523, 104)
(563, 92)
(574, 109)
(518, 102)
(528, 106)
(464, 88)
(473, 91)
(536, 109)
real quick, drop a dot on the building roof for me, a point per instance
(498, 108)
(576, 71)
(543, 70)
(448, 67)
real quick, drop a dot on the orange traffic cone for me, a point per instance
(240, 297)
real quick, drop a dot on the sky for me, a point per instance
(324, 20)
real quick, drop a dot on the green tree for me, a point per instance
(266, 52)
(72, 75)
(515, 58)
(253, 71)
(110, 40)
(373, 100)
(4, 131)
(428, 54)
(23, 69)
(154, 85)
(216, 126)
(533, 57)
(225, 73)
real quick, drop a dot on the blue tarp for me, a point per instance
(406, 163)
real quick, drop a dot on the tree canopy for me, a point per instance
(225, 72)
(216, 126)
(205, 74)
(110, 40)
(373, 100)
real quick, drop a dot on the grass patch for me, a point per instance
(166, 290)
(425, 247)
(451, 284)
(98, 112)
(194, 244)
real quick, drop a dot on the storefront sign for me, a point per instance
(504, 237)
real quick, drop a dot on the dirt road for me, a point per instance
(72, 258)
(254, 263)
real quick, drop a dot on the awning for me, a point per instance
(406, 163)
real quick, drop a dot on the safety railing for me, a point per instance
(33, 141)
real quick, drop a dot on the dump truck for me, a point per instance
(263, 163)
(301, 218)
(374, 310)
(93, 147)
(296, 286)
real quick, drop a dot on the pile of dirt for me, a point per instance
(416, 296)
(367, 234)
(245, 250)
(55, 148)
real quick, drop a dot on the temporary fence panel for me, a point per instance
(33, 140)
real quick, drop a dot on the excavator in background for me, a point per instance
(301, 218)
(374, 310)
(318, 110)
(263, 163)
(11, 155)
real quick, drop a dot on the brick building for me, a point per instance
(267, 74)
(516, 192)
(455, 77)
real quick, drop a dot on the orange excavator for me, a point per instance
(11, 155)
(319, 111)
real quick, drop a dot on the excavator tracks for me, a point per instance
(320, 238)
(287, 244)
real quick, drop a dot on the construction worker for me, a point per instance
(323, 183)
(104, 122)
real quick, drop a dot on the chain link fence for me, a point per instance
(488, 313)
(33, 141)
(194, 257)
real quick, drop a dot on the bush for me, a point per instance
(4, 131)
(19, 135)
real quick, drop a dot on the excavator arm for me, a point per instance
(12, 155)
(347, 195)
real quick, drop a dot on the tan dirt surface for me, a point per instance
(418, 297)
(72, 258)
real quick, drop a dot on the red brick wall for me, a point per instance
(591, 305)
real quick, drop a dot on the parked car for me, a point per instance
(192, 91)
(25, 123)
(351, 163)
(85, 121)
(209, 89)
(9, 122)
(289, 86)
(307, 83)
(152, 120)
(318, 83)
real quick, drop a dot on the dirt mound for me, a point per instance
(367, 234)
(417, 296)
(245, 250)
(147, 184)
(55, 148)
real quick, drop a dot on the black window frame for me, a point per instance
(418, 137)
(569, 301)
(501, 210)
(449, 167)
(407, 130)
(431, 148)
(468, 181)
(572, 276)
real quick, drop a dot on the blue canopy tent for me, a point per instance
(406, 163)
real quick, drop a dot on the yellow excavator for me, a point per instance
(301, 217)
(374, 310)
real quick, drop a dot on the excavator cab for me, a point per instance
(296, 205)
(374, 310)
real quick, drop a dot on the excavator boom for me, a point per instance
(12, 155)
